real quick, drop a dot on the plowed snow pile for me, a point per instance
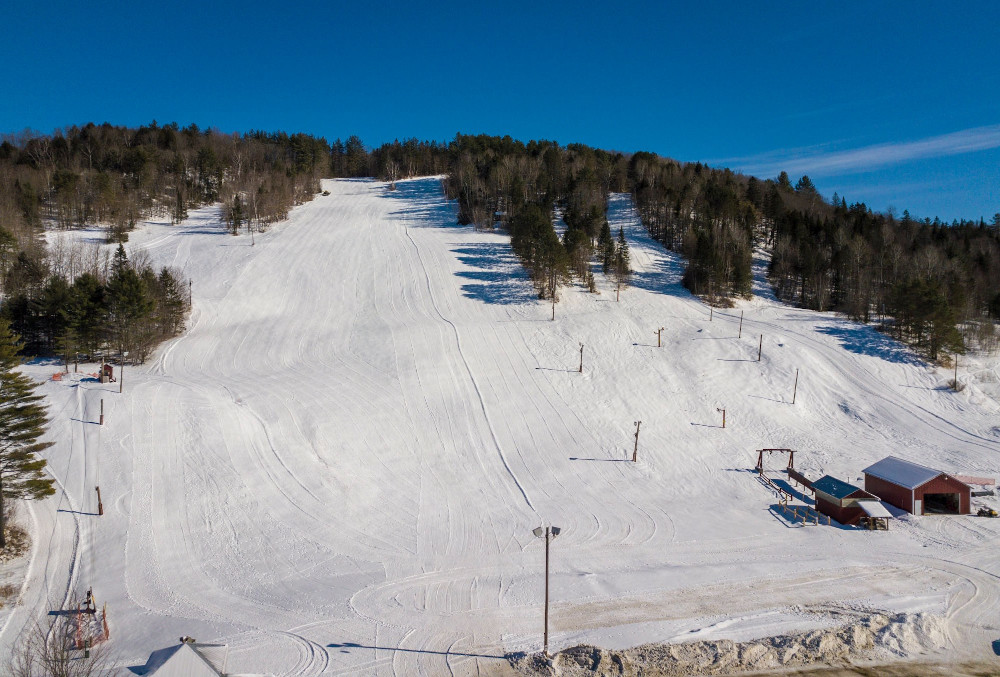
(875, 637)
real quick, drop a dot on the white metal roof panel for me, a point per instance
(903, 473)
(874, 508)
(182, 660)
(216, 654)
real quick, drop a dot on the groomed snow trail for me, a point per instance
(337, 468)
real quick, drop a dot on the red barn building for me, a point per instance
(917, 489)
(843, 501)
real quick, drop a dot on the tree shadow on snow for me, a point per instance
(664, 276)
(219, 228)
(62, 612)
(80, 420)
(779, 514)
(497, 275)
(45, 361)
(761, 397)
(788, 488)
(422, 204)
(864, 340)
(602, 460)
(665, 267)
(789, 520)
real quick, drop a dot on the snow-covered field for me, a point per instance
(337, 468)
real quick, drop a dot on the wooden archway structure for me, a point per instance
(760, 457)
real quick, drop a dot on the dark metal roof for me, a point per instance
(831, 486)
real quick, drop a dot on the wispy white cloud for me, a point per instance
(821, 161)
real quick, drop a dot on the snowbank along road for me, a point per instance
(337, 468)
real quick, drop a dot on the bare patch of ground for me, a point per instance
(903, 669)
(18, 543)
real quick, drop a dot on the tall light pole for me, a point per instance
(548, 533)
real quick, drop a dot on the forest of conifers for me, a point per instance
(933, 285)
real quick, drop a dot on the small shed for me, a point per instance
(918, 489)
(876, 516)
(981, 486)
(840, 500)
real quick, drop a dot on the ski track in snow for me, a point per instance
(336, 469)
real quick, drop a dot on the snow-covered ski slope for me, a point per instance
(337, 468)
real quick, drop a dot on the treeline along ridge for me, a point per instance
(933, 285)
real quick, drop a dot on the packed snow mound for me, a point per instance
(878, 636)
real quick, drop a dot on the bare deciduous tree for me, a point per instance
(46, 649)
(392, 172)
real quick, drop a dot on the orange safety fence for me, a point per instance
(84, 635)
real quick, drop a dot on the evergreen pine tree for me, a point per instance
(173, 302)
(22, 423)
(66, 345)
(120, 262)
(623, 269)
(355, 157)
(8, 252)
(180, 206)
(129, 303)
(805, 185)
(86, 312)
(236, 215)
(553, 259)
(606, 247)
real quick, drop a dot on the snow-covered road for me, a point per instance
(337, 468)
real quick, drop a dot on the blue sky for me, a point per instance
(890, 103)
